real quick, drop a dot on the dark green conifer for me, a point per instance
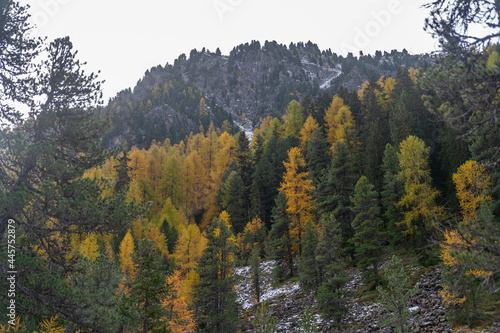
(148, 287)
(331, 295)
(307, 266)
(279, 242)
(392, 191)
(234, 202)
(317, 155)
(171, 235)
(334, 190)
(122, 170)
(396, 295)
(255, 271)
(367, 224)
(215, 297)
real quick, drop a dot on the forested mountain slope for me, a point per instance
(252, 82)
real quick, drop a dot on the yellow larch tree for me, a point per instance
(89, 247)
(177, 316)
(153, 171)
(189, 247)
(108, 169)
(158, 239)
(126, 251)
(195, 182)
(420, 197)
(137, 164)
(387, 85)
(298, 190)
(471, 183)
(339, 121)
(224, 153)
(203, 107)
(253, 233)
(307, 131)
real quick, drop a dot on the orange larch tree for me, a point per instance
(177, 316)
(298, 190)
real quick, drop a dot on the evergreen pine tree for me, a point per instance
(43, 161)
(95, 287)
(258, 151)
(243, 158)
(148, 287)
(396, 295)
(334, 190)
(264, 322)
(19, 50)
(234, 202)
(122, 170)
(268, 175)
(366, 224)
(392, 191)
(255, 271)
(317, 156)
(215, 298)
(374, 133)
(320, 106)
(331, 294)
(307, 266)
(280, 242)
(171, 235)
(484, 143)
(308, 322)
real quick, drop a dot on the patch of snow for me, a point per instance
(247, 128)
(245, 290)
(328, 81)
(413, 308)
(337, 70)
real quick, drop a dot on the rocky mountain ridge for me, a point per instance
(253, 81)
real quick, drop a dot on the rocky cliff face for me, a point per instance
(258, 80)
(253, 81)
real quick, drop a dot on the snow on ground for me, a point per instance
(336, 72)
(246, 294)
(286, 293)
(247, 128)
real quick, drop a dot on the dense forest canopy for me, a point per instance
(147, 236)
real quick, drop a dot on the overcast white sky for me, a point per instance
(124, 38)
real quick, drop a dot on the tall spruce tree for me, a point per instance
(215, 297)
(331, 294)
(234, 202)
(392, 191)
(279, 241)
(268, 175)
(317, 156)
(374, 133)
(122, 170)
(367, 225)
(148, 287)
(97, 285)
(255, 271)
(334, 190)
(320, 106)
(307, 266)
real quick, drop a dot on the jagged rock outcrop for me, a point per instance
(254, 80)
